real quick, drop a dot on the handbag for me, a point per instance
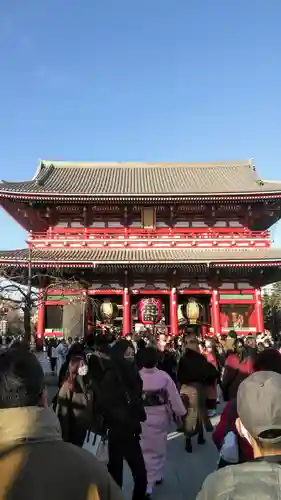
(97, 445)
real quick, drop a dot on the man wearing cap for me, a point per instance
(259, 410)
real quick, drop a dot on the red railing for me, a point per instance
(137, 233)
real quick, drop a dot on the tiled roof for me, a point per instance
(64, 179)
(174, 256)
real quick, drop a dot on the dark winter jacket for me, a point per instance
(98, 363)
(122, 399)
(36, 464)
(168, 363)
(194, 367)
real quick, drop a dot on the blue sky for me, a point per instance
(169, 80)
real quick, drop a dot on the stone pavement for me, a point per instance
(185, 472)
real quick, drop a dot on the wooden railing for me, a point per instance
(137, 233)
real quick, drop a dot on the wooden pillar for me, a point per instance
(174, 312)
(215, 312)
(258, 311)
(126, 312)
(41, 315)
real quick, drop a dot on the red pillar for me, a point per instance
(258, 310)
(215, 312)
(174, 312)
(41, 315)
(126, 312)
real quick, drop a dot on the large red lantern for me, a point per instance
(150, 310)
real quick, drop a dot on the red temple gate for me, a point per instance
(172, 231)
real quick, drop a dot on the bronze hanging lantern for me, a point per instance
(192, 311)
(108, 310)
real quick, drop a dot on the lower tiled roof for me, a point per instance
(175, 256)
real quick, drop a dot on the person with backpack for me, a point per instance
(121, 394)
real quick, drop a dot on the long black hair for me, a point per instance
(128, 371)
(242, 351)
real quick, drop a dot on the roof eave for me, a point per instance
(106, 197)
(93, 264)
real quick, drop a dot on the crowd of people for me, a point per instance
(128, 392)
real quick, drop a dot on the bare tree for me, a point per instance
(25, 290)
(28, 295)
(11, 314)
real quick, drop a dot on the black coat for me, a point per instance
(122, 399)
(168, 363)
(194, 367)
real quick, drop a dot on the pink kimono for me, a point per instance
(155, 429)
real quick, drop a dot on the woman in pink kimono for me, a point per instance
(161, 401)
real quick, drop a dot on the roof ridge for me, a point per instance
(70, 164)
(271, 181)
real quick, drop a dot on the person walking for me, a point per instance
(167, 361)
(267, 360)
(238, 366)
(162, 402)
(195, 373)
(123, 409)
(72, 406)
(52, 354)
(34, 462)
(259, 423)
(212, 356)
(62, 350)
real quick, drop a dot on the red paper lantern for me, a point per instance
(150, 310)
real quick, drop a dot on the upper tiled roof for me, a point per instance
(174, 256)
(66, 179)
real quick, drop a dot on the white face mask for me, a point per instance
(83, 370)
(245, 434)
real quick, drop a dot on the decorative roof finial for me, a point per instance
(251, 163)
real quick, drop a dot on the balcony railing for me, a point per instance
(137, 233)
(141, 238)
